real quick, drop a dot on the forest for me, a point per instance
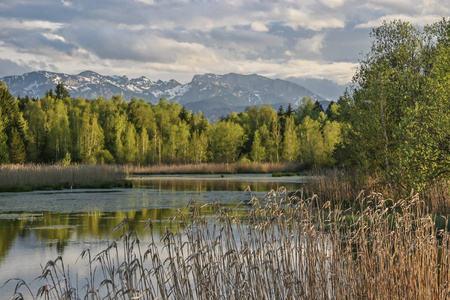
(58, 128)
(393, 122)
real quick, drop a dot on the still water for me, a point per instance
(39, 226)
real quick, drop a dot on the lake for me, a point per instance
(39, 226)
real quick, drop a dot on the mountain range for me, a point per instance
(214, 95)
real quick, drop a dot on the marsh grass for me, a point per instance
(342, 188)
(210, 168)
(336, 186)
(57, 176)
(437, 196)
(285, 248)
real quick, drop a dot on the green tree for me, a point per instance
(267, 143)
(61, 91)
(143, 147)
(331, 137)
(4, 151)
(333, 111)
(184, 115)
(35, 117)
(258, 152)
(58, 136)
(15, 125)
(198, 147)
(130, 150)
(276, 138)
(92, 137)
(424, 128)
(227, 138)
(183, 136)
(311, 143)
(389, 81)
(17, 148)
(290, 141)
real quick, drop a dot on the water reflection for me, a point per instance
(228, 182)
(48, 227)
(38, 226)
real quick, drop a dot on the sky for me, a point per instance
(176, 39)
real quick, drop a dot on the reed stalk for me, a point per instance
(285, 248)
(34, 174)
(213, 168)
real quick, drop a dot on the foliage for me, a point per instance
(14, 127)
(57, 127)
(398, 112)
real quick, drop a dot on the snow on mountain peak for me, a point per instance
(220, 92)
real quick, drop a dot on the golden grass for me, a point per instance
(210, 168)
(341, 188)
(286, 248)
(32, 174)
(437, 196)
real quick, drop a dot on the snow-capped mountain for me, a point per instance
(215, 95)
(89, 85)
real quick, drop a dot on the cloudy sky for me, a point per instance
(176, 39)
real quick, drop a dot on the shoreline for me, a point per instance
(65, 186)
(32, 177)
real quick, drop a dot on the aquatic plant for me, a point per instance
(286, 247)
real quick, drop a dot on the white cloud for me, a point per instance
(259, 26)
(415, 20)
(333, 3)
(11, 23)
(298, 18)
(179, 38)
(148, 2)
(340, 73)
(66, 3)
(312, 45)
(54, 37)
(130, 27)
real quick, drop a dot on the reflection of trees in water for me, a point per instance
(58, 229)
(180, 185)
(8, 231)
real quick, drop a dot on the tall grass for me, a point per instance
(342, 188)
(32, 174)
(210, 168)
(286, 248)
(437, 196)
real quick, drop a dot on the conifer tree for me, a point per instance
(17, 148)
(61, 91)
(4, 151)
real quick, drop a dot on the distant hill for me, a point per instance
(215, 95)
(328, 89)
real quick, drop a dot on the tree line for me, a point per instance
(58, 128)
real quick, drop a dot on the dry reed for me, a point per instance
(286, 248)
(210, 168)
(31, 174)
